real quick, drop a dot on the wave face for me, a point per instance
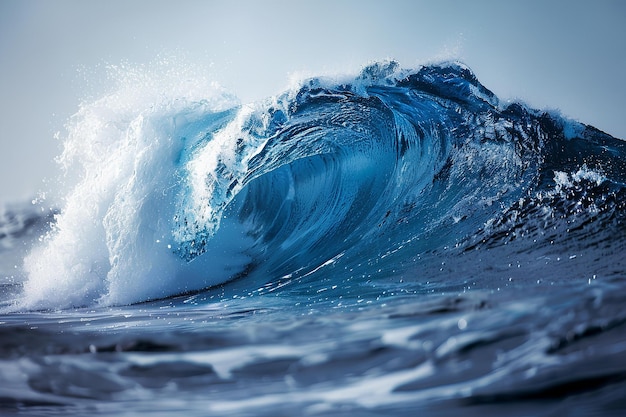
(389, 176)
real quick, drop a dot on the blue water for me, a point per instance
(392, 243)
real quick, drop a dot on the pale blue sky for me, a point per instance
(568, 54)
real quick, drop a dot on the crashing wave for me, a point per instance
(360, 176)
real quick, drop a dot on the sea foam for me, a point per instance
(112, 243)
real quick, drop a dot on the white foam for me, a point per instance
(121, 163)
(563, 180)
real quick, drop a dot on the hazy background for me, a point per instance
(569, 55)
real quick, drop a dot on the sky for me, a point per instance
(567, 55)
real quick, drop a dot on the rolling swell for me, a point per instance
(343, 182)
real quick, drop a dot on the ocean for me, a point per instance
(396, 242)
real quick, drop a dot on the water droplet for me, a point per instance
(462, 323)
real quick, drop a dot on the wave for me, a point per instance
(335, 182)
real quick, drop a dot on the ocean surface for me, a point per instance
(394, 243)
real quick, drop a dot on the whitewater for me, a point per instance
(394, 242)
